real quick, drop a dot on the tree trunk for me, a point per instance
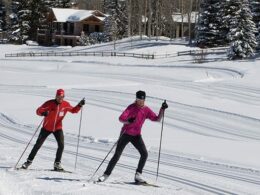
(149, 18)
(140, 18)
(129, 18)
(145, 17)
(189, 20)
(156, 20)
(182, 18)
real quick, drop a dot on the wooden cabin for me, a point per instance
(182, 24)
(65, 26)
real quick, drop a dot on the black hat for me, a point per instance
(140, 95)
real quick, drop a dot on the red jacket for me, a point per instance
(53, 121)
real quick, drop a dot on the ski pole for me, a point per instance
(106, 157)
(29, 143)
(78, 138)
(159, 156)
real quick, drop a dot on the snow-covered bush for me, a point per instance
(84, 39)
(31, 43)
(96, 37)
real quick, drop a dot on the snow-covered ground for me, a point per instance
(211, 137)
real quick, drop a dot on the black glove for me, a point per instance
(131, 120)
(82, 102)
(164, 105)
(45, 113)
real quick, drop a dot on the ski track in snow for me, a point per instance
(181, 117)
(208, 122)
(236, 173)
(238, 93)
(102, 98)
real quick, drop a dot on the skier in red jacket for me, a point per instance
(53, 111)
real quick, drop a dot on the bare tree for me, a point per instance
(149, 18)
(189, 19)
(145, 16)
(129, 5)
(91, 4)
(140, 18)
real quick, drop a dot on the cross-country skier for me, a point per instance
(53, 112)
(133, 118)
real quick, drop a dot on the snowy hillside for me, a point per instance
(211, 140)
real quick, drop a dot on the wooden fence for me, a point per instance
(203, 51)
(41, 54)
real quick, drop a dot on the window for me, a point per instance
(71, 28)
(97, 28)
(86, 28)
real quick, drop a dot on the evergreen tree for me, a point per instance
(49, 3)
(210, 31)
(108, 5)
(38, 10)
(13, 21)
(121, 19)
(27, 18)
(116, 24)
(62, 3)
(255, 8)
(20, 30)
(110, 29)
(2, 17)
(242, 30)
(258, 37)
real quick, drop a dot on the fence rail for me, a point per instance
(197, 52)
(204, 51)
(41, 54)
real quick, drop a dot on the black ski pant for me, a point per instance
(138, 143)
(58, 134)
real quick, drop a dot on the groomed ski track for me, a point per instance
(105, 99)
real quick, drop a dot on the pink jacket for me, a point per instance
(140, 114)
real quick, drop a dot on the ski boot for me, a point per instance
(103, 178)
(139, 178)
(26, 164)
(58, 167)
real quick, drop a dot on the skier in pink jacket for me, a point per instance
(133, 118)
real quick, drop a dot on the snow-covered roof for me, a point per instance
(74, 15)
(178, 18)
